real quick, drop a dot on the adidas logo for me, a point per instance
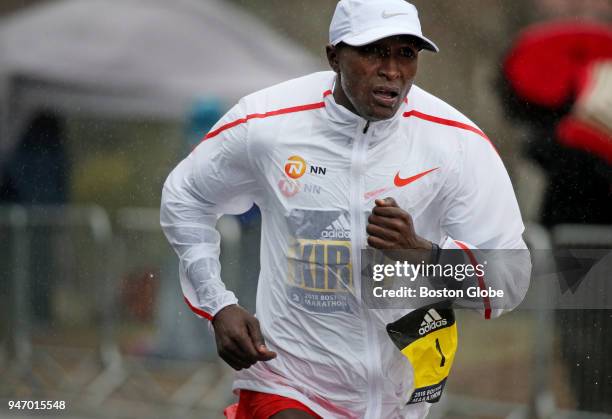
(340, 228)
(432, 321)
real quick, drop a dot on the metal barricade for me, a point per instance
(23, 225)
(585, 332)
(147, 384)
(20, 221)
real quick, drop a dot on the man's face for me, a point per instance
(374, 79)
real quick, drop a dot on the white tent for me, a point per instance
(134, 58)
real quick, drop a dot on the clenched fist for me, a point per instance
(391, 228)
(239, 339)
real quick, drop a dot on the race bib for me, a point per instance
(319, 272)
(428, 338)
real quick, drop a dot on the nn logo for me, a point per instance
(432, 321)
(318, 170)
(295, 167)
(288, 187)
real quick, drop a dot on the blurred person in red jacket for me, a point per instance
(557, 79)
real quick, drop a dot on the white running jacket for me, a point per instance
(315, 169)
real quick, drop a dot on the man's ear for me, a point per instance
(332, 58)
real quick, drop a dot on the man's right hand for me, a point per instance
(239, 339)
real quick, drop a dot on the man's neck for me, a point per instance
(342, 99)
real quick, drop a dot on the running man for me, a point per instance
(337, 161)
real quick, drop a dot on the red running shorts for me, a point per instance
(256, 405)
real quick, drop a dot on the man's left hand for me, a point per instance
(391, 228)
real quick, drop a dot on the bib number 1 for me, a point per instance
(427, 337)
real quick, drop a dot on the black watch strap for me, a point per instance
(435, 253)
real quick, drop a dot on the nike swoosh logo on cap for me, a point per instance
(386, 15)
(399, 182)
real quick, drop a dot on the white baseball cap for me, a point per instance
(361, 22)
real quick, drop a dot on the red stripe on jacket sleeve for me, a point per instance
(283, 111)
(448, 122)
(481, 282)
(198, 311)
